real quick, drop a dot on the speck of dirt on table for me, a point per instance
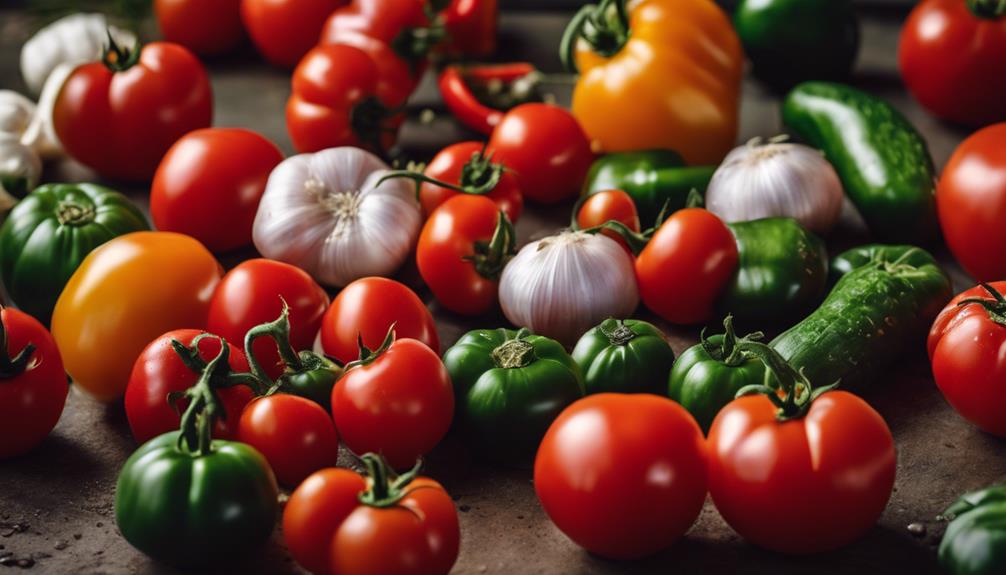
(917, 529)
(464, 508)
(77, 536)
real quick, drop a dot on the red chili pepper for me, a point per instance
(459, 85)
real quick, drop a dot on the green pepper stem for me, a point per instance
(384, 487)
(11, 367)
(987, 9)
(368, 356)
(514, 353)
(729, 351)
(604, 26)
(620, 336)
(995, 307)
(71, 213)
(798, 393)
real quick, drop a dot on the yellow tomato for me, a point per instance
(125, 294)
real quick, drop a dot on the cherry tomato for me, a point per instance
(971, 203)
(284, 30)
(471, 27)
(125, 293)
(686, 265)
(547, 150)
(953, 59)
(338, 521)
(33, 384)
(366, 309)
(967, 344)
(609, 205)
(160, 371)
(295, 435)
(210, 176)
(396, 401)
(118, 116)
(204, 27)
(645, 459)
(449, 166)
(250, 294)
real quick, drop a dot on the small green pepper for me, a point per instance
(624, 356)
(975, 540)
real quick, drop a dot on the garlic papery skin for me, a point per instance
(325, 214)
(565, 284)
(20, 170)
(776, 178)
(16, 113)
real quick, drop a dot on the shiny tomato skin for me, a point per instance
(546, 149)
(284, 30)
(159, 371)
(120, 124)
(609, 205)
(686, 265)
(971, 203)
(954, 63)
(366, 308)
(447, 166)
(646, 460)
(126, 293)
(249, 295)
(209, 185)
(295, 435)
(314, 512)
(206, 28)
(399, 406)
(31, 401)
(805, 485)
(448, 236)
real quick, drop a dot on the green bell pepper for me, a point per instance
(709, 374)
(624, 356)
(652, 178)
(789, 41)
(975, 540)
(50, 232)
(190, 501)
(509, 386)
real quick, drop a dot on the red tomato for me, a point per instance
(284, 30)
(686, 265)
(366, 309)
(609, 205)
(249, 295)
(210, 176)
(295, 435)
(33, 384)
(203, 27)
(971, 202)
(340, 99)
(471, 27)
(160, 371)
(953, 60)
(547, 150)
(458, 231)
(398, 402)
(645, 459)
(120, 115)
(805, 485)
(967, 345)
(340, 522)
(463, 164)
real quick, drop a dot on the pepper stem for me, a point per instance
(368, 356)
(621, 335)
(995, 308)
(987, 9)
(798, 393)
(604, 26)
(491, 257)
(514, 353)
(69, 212)
(384, 487)
(11, 367)
(729, 351)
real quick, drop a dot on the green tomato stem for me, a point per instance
(491, 257)
(798, 393)
(995, 308)
(987, 9)
(205, 407)
(385, 489)
(368, 356)
(729, 351)
(118, 58)
(20, 363)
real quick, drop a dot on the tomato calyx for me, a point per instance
(636, 241)
(119, 58)
(491, 257)
(792, 393)
(987, 9)
(368, 356)
(604, 26)
(413, 44)
(995, 307)
(368, 118)
(384, 487)
(731, 350)
(515, 353)
(11, 367)
(204, 404)
(479, 176)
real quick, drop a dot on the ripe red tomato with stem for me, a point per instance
(396, 400)
(645, 459)
(167, 367)
(119, 116)
(284, 30)
(33, 385)
(207, 28)
(209, 176)
(966, 345)
(339, 521)
(469, 166)
(799, 470)
(606, 206)
(546, 149)
(366, 309)
(462, 250)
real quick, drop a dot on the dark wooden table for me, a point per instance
(56, 503)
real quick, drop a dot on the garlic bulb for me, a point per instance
(325, 213)
(563, 285)
(16, 113)
(776, 178)
(20, 170)
(32, 124)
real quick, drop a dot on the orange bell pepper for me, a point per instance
(656, 74)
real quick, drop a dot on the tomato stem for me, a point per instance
(20, 363)
(491, 257)
(367, 118)
(797, 392)
(384, 487)
(995, 307)
(987, 9)
(204, 405)
(119, 58)
(367, 356)
(729, 351)
(413, 44)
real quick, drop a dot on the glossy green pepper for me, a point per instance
(652, 178)
(709, 374)
(624, 356)
(50, 232)
(190, 501)
(782, 272)
(509, 386)
(789, 41)
(975, 540)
